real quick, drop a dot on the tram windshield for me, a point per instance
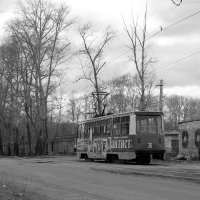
(149, 124)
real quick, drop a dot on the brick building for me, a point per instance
(189, 138)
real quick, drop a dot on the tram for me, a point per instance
(133, 136)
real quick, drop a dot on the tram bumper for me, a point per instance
(146, 144)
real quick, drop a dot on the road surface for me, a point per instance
(65, 178)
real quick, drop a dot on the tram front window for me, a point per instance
(148, 124)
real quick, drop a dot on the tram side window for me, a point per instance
(103, 128)
(108, 127)
(125, 125)
(87, 130)
(116, 125)
(79, 130)
(91, 128)
(97, 129)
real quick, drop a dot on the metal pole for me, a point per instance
(161, 96)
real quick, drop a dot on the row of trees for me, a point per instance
(29, 60)
(123, 95)
(93, 62)
(123, 98)
(180, 108)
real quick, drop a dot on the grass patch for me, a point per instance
(12, 188)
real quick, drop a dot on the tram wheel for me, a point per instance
(111, 158)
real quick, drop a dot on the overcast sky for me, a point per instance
(177, 42)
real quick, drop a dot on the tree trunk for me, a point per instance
(29, 137)
(1, 141)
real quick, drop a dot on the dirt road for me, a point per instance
(65, 178)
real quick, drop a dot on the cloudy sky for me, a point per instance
(177, 49)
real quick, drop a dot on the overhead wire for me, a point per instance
(176, 61)
(190, 2)
(162, 29)
(171, 25)
(169, 15)
(165, 20)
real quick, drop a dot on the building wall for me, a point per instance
(57, 146)
(188, 144)
(62, 145)
(170, 138)
(168, 146)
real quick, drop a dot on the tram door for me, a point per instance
(101, 147)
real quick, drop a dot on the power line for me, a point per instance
(169, 15)
(162, 29)
(171, 25)
(116, 58)
(180, 59)
(191, 2)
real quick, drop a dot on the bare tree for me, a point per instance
(124, 96)
(174, 110)
(94, 45)
(39, 32)
(10, 103)
(122, 92)
(180, 108)
(74, 110)
(142, 61)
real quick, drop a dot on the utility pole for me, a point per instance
(161, 96)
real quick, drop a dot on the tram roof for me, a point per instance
(139, 113)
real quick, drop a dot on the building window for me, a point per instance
(185, 139)
(197, 138)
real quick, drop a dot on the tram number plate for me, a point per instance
(149, 146)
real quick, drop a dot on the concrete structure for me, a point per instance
(62, 145)
(189, 138)
(19, 146)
